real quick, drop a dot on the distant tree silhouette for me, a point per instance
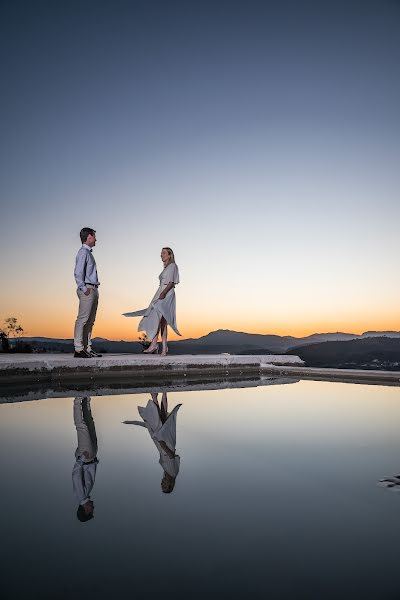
(13, 330)
(5, 345)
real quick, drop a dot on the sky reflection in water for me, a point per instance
(272, 492)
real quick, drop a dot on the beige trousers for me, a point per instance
(85, 320)
(85, 428)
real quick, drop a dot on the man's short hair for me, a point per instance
(85, 232)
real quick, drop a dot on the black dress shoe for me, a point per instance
(82, 354)
(94, 354)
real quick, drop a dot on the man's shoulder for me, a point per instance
(82, 250)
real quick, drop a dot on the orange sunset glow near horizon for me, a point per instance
(47, 322)
(219, 288)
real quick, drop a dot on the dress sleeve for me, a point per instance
(174, 274)
(170, 274)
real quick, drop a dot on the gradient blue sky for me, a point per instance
(259, 140)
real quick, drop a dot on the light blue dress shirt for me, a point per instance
(83, 478)
(85, 268)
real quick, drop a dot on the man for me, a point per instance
(84, 471)
(88, 294)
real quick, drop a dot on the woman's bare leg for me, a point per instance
(164, 407)
(154, 342)
(164, 335)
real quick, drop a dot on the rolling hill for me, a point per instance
(317, 349)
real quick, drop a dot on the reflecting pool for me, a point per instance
(266, 492)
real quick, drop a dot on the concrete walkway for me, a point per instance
(59, 368)
(365, 376)
(37, 367)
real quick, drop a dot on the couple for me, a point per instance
(161, 426)
(160, 313)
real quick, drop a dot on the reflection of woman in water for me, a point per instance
(84, 471)
(161, 426)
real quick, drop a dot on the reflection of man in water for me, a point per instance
(161, 426)
(84, 471)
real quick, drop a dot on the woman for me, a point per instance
(162, 309)
(161, 426)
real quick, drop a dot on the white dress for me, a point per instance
(161, 432)
(160, 308)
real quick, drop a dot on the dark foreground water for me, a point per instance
(274, 495)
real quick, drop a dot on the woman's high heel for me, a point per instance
(164, 351)
(151, 350)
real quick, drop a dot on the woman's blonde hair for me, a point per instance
(171, 254)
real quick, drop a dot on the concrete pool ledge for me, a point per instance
(34, 367)
(114, 368)
(366, 376)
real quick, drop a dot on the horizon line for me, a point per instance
(230, 331)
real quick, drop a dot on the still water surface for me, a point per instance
(272, 494)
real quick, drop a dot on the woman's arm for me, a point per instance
(166, 290)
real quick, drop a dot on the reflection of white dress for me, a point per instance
(160, 432)
(160, 308)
